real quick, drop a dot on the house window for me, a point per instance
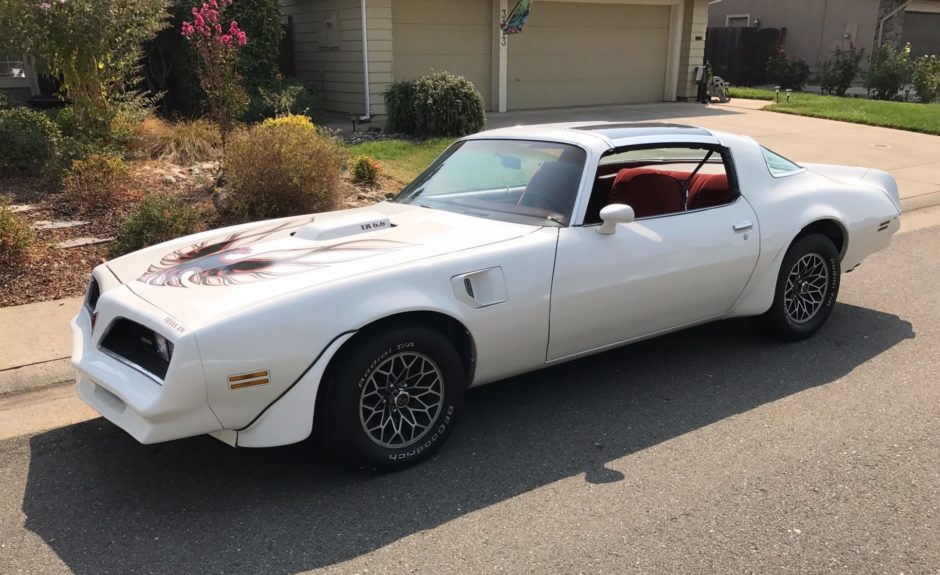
(13, 67)
(737, 21)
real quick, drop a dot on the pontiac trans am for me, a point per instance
(517, 249)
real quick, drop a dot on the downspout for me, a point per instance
(881, 25)
(365, 63)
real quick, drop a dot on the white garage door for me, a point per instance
(443, 35)
(588, 54)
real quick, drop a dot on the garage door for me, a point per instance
(443, 35)
(588, 54)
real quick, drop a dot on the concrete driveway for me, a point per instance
(913, 159)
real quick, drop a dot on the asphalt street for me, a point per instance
(708, 451)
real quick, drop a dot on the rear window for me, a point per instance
(778, 165)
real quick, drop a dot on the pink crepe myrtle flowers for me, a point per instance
(206, 24)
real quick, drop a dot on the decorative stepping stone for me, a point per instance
(56, 224)
(22, 207)
(78, 242)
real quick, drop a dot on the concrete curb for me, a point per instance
(34, 376)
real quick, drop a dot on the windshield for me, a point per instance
(520, 181)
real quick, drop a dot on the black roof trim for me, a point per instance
(619, 130)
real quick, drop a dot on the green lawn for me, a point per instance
(902, 115)
(403, 160)
(751, 93)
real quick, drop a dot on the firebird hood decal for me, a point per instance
(213, 275)
(220, 263)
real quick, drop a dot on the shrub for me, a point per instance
(95, 183)
(5, 102)
(925, 77)
(283, 98)
(399, 107)
(16, 238)
(789, 74)
(282, 169)
(440, 104)
(889, 69)
(258, 61)
(291, 120)
(365, 170)
(182, 143)
(93, 46)
(29, 141)
(836, 74)
(157, 219)
(130, 110)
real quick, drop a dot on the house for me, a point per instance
(571, 53)
(814, 28)
(17, 78)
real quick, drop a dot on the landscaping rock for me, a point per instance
(77, 242)
(56, 224)
(22, 207)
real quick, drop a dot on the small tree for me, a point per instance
(93, 46)
(217, 47)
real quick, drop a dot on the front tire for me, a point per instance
(394, 398)
(806, 290)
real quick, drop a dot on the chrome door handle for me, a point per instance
(743, 226)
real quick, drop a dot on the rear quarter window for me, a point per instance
(778, 165)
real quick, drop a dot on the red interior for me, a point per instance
(652, 192)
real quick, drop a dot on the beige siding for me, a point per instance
(692, 46)
(586, 54)
(336, 71)
(444, 35)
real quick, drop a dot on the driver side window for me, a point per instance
(662, 181)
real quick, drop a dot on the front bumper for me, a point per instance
(149, 410)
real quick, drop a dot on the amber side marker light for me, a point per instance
(244, 380)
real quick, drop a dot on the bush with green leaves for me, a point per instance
(16, 238)
(889, 70)
(789, 74)
(399, 107)
(837, 73)
(284, 98)
(29, 142)
(282, 169)
(92, 46)
(439, 104)
(925, 76)
(365, 170)
(5, 102)
(158, 218)
(96, 183)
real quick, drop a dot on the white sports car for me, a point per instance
(517, 249)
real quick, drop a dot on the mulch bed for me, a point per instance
(54, 273)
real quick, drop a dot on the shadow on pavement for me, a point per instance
(104, 503)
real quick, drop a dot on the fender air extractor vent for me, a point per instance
(480, 288)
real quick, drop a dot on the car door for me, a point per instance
(651, 275)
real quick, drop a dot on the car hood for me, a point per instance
(200, 278)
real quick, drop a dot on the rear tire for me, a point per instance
(806, 290)
(393, 398)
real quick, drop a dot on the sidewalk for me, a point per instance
(35, 344)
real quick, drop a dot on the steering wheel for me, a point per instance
(537, 200)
